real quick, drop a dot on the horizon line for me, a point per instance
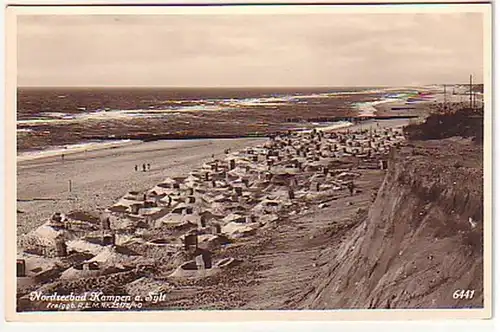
(234, 86)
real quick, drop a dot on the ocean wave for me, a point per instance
(367, 109)
(24, 130)
(209, 104)
(330, 126)
(71, 148)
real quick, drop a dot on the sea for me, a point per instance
(51, 120)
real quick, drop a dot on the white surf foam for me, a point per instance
(368, 109)
(72, 148)
(24, 130)
(330, 126)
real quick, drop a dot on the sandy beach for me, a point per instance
(99, 177)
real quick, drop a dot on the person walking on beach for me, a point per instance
(105, 223)
(62, 157)
(350, 186)
(149, 166)
(144, 167)
(136, 168)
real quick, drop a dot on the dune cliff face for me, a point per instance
(422, 241)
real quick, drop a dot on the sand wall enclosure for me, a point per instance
(422, 239)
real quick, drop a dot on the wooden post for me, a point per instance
(69, 182)
(21, 268)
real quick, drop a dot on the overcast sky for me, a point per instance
(249, 50)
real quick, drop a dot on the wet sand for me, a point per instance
(99, 177)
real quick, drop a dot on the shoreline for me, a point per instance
(99, 177)
(71, 149)
(138, 130)
(55, 152)
(35, 156)
(102, 143)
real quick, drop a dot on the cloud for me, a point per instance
(249, 50)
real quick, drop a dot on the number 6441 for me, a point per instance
(463, 294)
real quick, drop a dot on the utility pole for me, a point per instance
(470, 92)
(444, 93)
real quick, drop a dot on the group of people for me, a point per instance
(145, 167)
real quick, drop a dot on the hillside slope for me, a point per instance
(417, 245)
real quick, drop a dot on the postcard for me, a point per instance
(248, 162)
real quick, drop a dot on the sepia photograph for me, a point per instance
(246, 158)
